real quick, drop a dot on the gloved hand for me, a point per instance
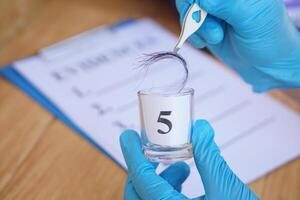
(218, 179)
(254, 37)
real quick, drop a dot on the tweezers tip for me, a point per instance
(175, 50)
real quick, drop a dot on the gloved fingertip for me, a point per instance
(212, 32)
(129, 137)
(183, 167)
(176, 174)
(132, 152)
(179, 168)
(201, 126)
(181, 164)
(202, 135)
(206, 152)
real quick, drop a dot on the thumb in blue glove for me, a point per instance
(218, 179)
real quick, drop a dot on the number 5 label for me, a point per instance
(164, 121)
(167, 120)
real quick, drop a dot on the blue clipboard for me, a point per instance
(18, 80)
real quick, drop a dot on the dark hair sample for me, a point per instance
(149, 59)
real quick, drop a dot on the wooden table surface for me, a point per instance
(40, 157)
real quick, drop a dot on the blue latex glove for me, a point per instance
(254, 37)
(218, 179)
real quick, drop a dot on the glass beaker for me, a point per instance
(166, 124)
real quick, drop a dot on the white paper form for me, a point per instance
(94, 84)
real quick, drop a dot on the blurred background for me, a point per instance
(29, 25)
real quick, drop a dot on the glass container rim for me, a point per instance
(183, 92)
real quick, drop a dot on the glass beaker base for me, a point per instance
(168, 155)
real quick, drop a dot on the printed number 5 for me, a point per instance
(164, 121)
